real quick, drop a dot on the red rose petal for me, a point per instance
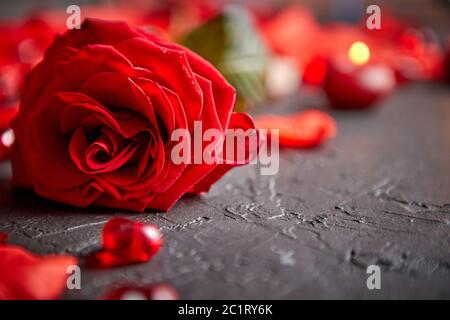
(238, 121)
(315, 71)
(300, 130)
(152, 292)
(126, 242)
(24, 276)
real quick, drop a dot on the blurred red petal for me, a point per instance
(6, 115)
(24, 276)
(300, 130)
(291, 31)
(315, 71)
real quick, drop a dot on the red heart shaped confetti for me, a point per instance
(300, 130)
(126, 242)
(24, 276)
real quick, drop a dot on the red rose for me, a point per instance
(96, 117)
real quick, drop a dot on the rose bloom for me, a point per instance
(96, 117)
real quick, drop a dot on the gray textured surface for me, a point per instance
(377, 194)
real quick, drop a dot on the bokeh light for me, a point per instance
(359, 53)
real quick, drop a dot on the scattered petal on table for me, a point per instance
(24, 276)
(300, 130)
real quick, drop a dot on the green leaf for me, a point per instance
(233, 45)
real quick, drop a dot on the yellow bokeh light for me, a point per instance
(359, 53)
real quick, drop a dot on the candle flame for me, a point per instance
(359, 53)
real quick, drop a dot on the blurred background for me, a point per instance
(435, 13)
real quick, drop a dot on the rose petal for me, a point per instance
(238, 121)
(177, 76)
(223, 93)
(300, 130)
(115, 90)
(24, 276)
